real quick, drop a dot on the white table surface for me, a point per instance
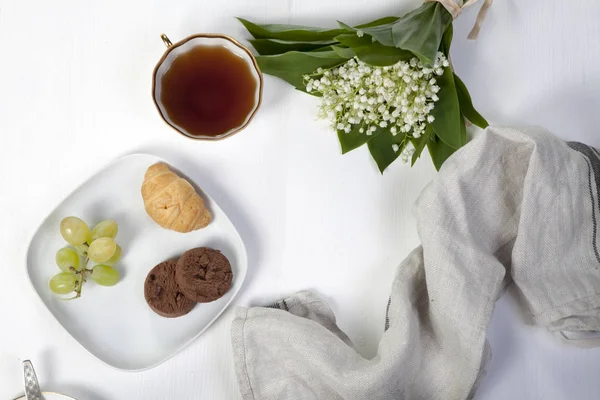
(75, 93)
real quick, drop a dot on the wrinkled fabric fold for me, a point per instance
(514, 207)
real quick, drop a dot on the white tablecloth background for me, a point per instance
(75, 93)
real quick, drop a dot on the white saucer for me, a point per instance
(114, 323)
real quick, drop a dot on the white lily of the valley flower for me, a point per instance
(360, 96)
(407, 152)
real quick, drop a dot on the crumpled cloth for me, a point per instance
(513, 207)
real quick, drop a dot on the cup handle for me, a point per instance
(166, 40)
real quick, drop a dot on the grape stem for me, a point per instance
(82, 275)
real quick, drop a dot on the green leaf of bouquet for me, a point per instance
(447, 41)
(439, 152)
(371, 52)
(293, 65)
(463, 130)
(381, 33)
(377, 22)
(466, 104)
(381, 148)
(343, 52)
(326, 48)
(421, 30)
(354, 139)
(290, 32)
(353, 40)
(275, 46)
(346, 27)
(447, 123)
(420, 144)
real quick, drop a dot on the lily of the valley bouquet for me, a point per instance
(387, 83)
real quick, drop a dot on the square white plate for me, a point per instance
(114, 323)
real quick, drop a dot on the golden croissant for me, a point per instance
(171, 201)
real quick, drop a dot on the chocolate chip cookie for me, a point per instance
(162, 293)
(203, 274)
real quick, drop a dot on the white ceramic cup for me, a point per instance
(183, 46)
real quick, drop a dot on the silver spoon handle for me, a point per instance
(32, 387)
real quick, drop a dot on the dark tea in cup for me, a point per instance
(207, 86)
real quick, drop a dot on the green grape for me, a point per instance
(105, 275)
(74, 231)
(102, 249)
(67, 258)
(107, 228)
(82, 250)
(63, 283)
(115, 258)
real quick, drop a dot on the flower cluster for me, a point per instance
(399, 97)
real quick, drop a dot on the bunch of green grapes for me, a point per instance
(97, 245)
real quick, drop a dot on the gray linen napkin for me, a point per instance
(515, 206)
